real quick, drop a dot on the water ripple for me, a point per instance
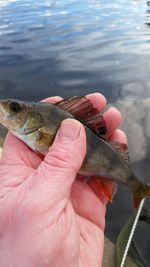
(90, 36)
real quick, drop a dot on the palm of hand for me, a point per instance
(72, 229)
(57, 231)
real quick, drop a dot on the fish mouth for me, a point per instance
(31, 130)
(28, 131)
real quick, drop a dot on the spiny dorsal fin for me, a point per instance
(83, 109)
(122, 149)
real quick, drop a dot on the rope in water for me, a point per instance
(132, 232)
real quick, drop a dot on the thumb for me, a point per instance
(56, 173)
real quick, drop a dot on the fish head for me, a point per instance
(19, 117)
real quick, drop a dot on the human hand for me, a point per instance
(47, 217)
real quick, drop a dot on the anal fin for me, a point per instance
(106, 187)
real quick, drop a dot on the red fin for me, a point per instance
(83, 109)
(122, 149)
(108, 188)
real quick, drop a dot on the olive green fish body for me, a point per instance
(37, 124)
(101, 159)
(106, 162)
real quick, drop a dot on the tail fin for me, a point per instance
(142, 192)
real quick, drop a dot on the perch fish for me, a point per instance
(36, 124)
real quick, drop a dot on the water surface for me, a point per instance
(71, 47)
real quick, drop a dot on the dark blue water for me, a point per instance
(75, 47)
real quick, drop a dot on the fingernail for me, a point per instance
(69, 130)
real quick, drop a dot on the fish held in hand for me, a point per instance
(36, 124)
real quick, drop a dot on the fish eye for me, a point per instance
(14, 106)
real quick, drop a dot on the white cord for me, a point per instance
(132, 232)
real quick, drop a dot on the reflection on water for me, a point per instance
(75, 47)
(67, 47)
